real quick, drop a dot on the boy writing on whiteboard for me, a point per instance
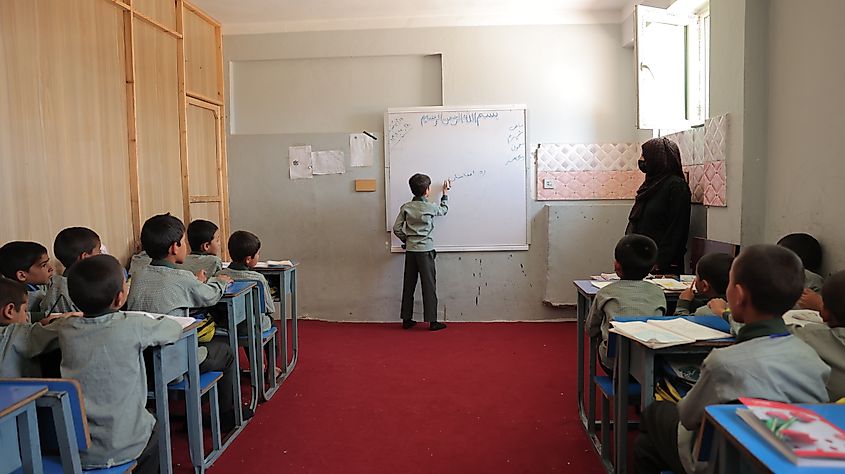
(413, 227)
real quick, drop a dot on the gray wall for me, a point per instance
(806, 162)
(578, 84)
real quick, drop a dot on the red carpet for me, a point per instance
(372, 398)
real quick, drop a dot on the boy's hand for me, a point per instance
(810, 300)
(689, 293)
(225, 279)
(717, 305)
(54, 316)
(447, 185)
(202, 276)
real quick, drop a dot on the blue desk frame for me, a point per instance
(18, 406)
(735, 442)
(238, 301)
(287, 287)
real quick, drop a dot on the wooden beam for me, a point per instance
(202, 98)
(224, 160)
(194, 199)
(200, 13)
(132, 126)
(120, 4)
(183, 112)
(158, 25)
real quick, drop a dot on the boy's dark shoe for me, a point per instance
(408, 323)
(436, 326)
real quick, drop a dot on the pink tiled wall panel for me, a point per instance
(586, 185)
(714, 183)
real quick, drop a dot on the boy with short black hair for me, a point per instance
(809, 251)
(711, 281)
(164, 288)
(244, 248)
(829, 340)
(634, 257)
(204, 239)
(71, 245)
(413, 227)
(103, 351)
(20, 340)
(766, 361)
(28, 263)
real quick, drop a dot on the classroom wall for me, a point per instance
(578, 84)
(806, 161)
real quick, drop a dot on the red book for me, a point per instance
(802, 435)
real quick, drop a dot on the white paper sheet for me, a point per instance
(689, 329)
(361, 149)
(328, 162)
(301, 164)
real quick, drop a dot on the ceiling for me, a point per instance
(263, 16)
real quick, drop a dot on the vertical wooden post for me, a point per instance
(131, 124)
(183, 109)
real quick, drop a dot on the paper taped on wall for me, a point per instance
(361, 149)
(328, 162)
(299, 158)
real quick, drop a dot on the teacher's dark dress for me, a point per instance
(665, 218)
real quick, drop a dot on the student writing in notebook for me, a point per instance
(711, 281)
(766, 361)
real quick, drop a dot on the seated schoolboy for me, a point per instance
(163, 288)
(809, 251)
(634, 258)
(244, 248)
(20, 340)
(711, 281)
(204, 239)
(71, 245)
(28, 263)
(829, 340)
(103, 351)
(766, 361)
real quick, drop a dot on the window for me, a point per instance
(673, 67)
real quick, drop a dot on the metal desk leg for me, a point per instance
(293, 322)
(162, 413)
(620, 422)
(579, 347)
(256, 356)
(233, 343)
(194, 408)
(30, 443)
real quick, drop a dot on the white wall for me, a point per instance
(578, 84)
(806, 161)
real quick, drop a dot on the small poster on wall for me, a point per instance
(301, 165)
(361, 149)
(328, 162)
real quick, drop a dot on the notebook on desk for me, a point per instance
(660, 333)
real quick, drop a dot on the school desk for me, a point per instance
(171, 361)
(634, 359)
(238, 301)
(586, 292)
(736, 442)
(20, 446)
(285, 278)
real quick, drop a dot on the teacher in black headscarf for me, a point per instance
(662, 207)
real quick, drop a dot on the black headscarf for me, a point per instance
(663, 160)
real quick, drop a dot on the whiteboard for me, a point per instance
(483, 149)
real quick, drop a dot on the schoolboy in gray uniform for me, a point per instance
(244, 248)
(766, 362)
(20, 340)
(828, 340)
(28, 263)
(413, 227)
(634, 256)
(163, 288)
(204, 239)
(103, 351)
(711, 281)
(71, 245)
(809, 251)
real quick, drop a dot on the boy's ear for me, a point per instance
(617, 267)
(121, 297)
(205, 246)
(21, 276)
(172, 249)
(705, 286)
(6, 311)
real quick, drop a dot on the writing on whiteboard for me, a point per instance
(515, 159)
(397, 130)
(457, 118)
(468, 174)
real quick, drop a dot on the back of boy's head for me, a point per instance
(94, 283)
(72, 242)
(806, 247)
(715, 269)
(772, 276)
(19, 256)
(833, 296)
(12, 292)
(200, 232)
(159, 233)
(419, 183)
(243, 244)
(636, 255)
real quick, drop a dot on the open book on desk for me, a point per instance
(183, 321)
(660, 333)
(274, 264)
